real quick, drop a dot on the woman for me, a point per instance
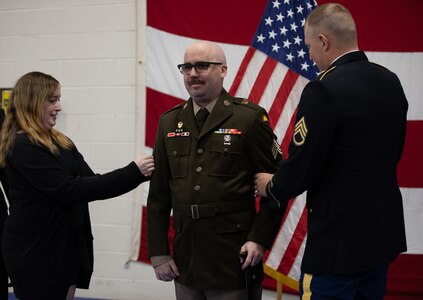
(47, 239)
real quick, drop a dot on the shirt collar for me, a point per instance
(209, 106)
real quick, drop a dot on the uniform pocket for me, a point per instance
(178, 155)
(225, 155)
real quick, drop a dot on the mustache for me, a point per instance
(196, 81)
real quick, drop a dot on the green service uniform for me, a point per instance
(207, 179)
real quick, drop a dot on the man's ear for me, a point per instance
(223, 70)
(325, 41)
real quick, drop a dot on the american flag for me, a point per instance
(280, 35)
(268, 63)
(278, 61)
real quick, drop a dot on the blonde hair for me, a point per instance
(335, 19)
(25, 114)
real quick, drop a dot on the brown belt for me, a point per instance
(207, 210)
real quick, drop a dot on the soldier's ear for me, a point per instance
(325, 43)
(223, 71)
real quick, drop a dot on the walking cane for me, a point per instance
(250, 279)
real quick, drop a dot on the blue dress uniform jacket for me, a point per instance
(348, 139)
(207, 178)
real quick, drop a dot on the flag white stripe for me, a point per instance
(273, 85)
(295, 271)
(289, 109)
(166, 50)
(413, 214)
(256, 63)
(286, 232)
(408, 67)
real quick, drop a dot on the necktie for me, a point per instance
(201, 117)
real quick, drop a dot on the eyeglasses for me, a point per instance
(200, 67)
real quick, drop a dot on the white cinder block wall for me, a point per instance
(93, 47)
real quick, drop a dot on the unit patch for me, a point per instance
(300, 132)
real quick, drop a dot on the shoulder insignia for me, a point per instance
(323, 74)
(246, 103)
(300, 132)
(265, 118)
(226, 102)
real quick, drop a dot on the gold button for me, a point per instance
(197, 188)
(199, 169)
(200, 151)
(175, 152)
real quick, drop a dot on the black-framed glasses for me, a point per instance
(200, 67)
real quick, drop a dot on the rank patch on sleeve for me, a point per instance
(276, 149)
(300, 132)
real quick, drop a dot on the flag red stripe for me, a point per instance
(157, 103)
(142, 253)
(241, 71)
(294, 245)
(288, 208)
(262, 79)
(410, 167)
(399, 24)
(282, 96)
(405, 277)
(218, 20)
(288, 136)
(393, 19)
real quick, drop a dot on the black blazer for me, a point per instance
(348, 140)
(47, 241)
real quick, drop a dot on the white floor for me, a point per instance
(267, 295)
(271, 295)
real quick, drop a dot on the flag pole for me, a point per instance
(279, 288)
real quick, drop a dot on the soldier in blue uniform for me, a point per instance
(207, 151)
(348, 140)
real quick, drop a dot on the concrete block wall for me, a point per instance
(93, 47)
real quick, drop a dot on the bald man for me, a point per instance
(348, 139)
(207, 151)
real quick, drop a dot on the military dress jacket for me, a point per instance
(207, 179)
(348, 140)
